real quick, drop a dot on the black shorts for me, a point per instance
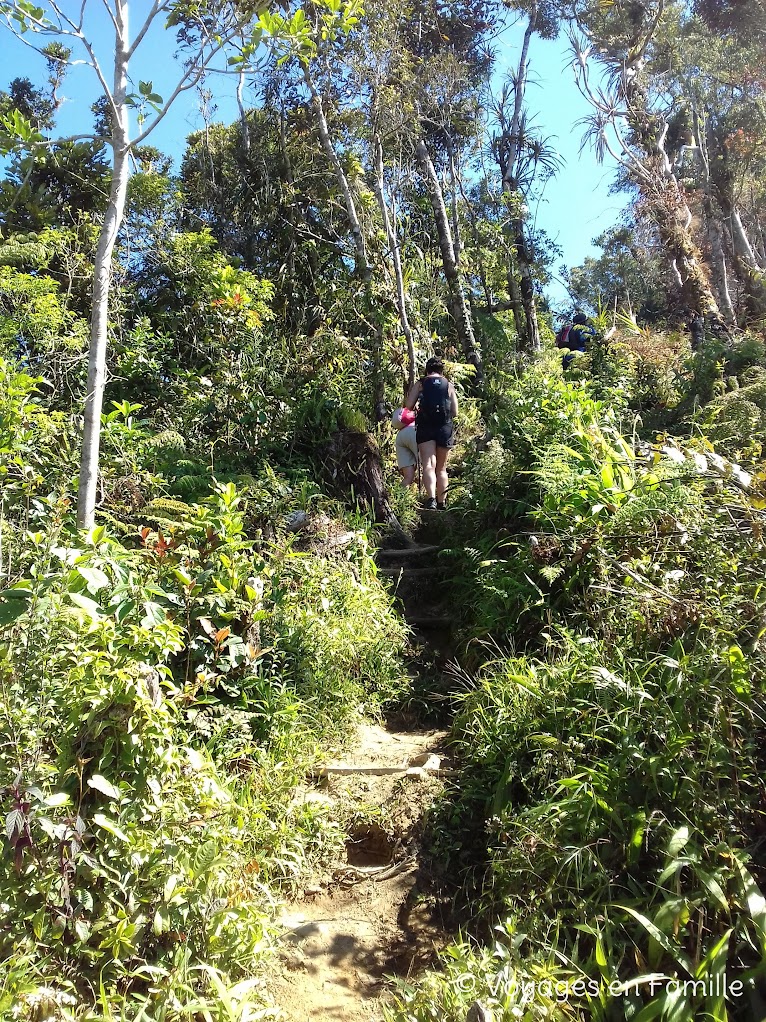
(443, 436)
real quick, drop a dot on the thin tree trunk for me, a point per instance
(526, 278)
(712, 226)
(746, 268)
(242, 112)
(461, 309)
(718, 267)
(88, 481)
(396, 259)
(741, 239)
(453, 197)
(514, 293)
(751, 275)
(363, 267)
(524, 300)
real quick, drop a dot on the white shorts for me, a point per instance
(406, 447)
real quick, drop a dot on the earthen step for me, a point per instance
(412, 551)
(411, 572)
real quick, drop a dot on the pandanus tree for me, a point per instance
(115, 58)
(521, 154)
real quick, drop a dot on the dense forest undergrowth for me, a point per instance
(171, 678)
(189, 639)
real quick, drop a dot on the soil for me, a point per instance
(375, 916)
(372, 916)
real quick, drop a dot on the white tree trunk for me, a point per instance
(88, 483)
(720, 273)
(461, 310)
(363, 267)
(396, 259)
(742, 241)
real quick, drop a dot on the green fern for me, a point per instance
(191, 485)
(166, 511)
(124, 528)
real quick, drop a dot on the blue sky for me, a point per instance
(575, 206)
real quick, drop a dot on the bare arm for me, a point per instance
(453, 400)
(414, 394)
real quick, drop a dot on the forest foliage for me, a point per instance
(169, 674)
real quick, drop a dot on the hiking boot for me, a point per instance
(441, 505)
(430, 504)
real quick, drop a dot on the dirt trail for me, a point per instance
(373, 915)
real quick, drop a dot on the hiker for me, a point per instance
(403, 421)
(437, 407)
(576, 337)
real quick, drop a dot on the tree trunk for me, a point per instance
(363, 267)
(113, 217)
(514, 293)
(531, 336)
(718, 267)
(523, 297)
(396, 259)
(453, 196)
(673, 219)
(356, 466)
(461, 309)
(663, 192)
(749, 272)
(712, 226)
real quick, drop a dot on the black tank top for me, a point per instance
(435, 407)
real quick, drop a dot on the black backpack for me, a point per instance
(435, 407)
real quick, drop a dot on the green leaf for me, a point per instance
(678, 841)
(756, 903)
(145, 88)
(38, 922)
(206, 856)
(714, 889)
(12, 609)
(105, 787)
(95, 578)
(154, 615)
(161, 922)
(123, 610)
(60, 798)
(675, 953)
(91, 608)
(110, 827)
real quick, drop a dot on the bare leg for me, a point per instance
(442, 482)
(428, 461)
(408, 475)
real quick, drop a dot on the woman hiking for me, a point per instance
(437, 407)
(403, 421)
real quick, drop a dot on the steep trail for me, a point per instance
(375, 915)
